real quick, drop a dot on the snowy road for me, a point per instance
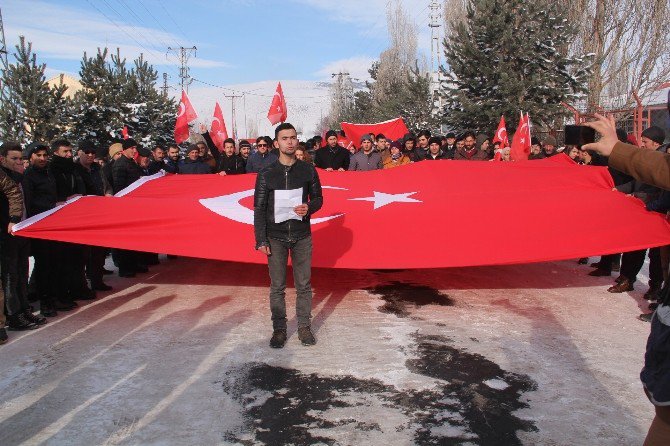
(533, 354)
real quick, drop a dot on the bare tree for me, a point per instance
(400, 58)
(631, 45)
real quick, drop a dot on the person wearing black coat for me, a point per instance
(39, 191)
(333, 156)
(125, 172)
(92, 175)
(70, 258)
(193, 164)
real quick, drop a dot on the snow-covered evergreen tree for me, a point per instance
(508, 56)
(31, 110)
(114, 97)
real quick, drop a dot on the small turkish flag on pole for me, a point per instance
(218, 130)
(277, 112)
(521, 141)
(185, 115)
(501, 134)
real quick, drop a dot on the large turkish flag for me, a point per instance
(393, 130)
(424, 215)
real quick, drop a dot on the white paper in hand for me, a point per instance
(285, 202)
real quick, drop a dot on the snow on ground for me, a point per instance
(531, 354)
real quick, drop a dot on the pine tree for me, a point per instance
(508, 56)
(31, 109)
(114, 97)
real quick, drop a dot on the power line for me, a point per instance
(255, 94)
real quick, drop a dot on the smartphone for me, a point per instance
(578, 135)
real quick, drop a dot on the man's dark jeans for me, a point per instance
(301, 257)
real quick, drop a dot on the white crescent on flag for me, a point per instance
(229, 206)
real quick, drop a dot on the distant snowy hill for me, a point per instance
(307, 103)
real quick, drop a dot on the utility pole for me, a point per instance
(183, 54)
(3, 56)
(435, 47)
(165, 86)
(232, 103)
(343, 97)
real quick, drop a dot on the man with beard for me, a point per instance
(470, 151)
(422, 144)
(173, 158)
(549, 146)
(333, 156)
(157, 162)
(15, 250)
(70, 258)
(229, 162)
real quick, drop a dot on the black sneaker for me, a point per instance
(19, 322)
(305, 335)
(35, 319)
(3, 335)
(278, 339)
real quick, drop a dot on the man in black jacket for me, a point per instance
(277, 238)
(125, 172)
(70, 258)
(333, 156)
(92, 174)
(39, 191)
(230, 163)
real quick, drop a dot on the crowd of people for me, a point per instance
(40, 176)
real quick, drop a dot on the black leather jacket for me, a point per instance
(276, 176)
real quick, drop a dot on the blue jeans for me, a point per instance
(301, 256)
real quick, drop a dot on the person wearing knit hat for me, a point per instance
(366, 158)
(193, 164)
(332, 156)
(396, 157)
(652, 137)
(435, 149)
(115, 150)
(32, 148)
(549, 146)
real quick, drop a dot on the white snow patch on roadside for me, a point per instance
(450, 431)
(497, 384)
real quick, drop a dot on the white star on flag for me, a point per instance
(382, 199)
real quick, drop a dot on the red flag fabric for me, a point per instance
(124, 132)
(521, 141)
(393, 129)
(501, 134)
(185, 114)
(218, 130)
(362, 223)
(278, 111)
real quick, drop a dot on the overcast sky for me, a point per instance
(238, 41)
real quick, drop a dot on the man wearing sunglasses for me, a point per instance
(262, 157)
